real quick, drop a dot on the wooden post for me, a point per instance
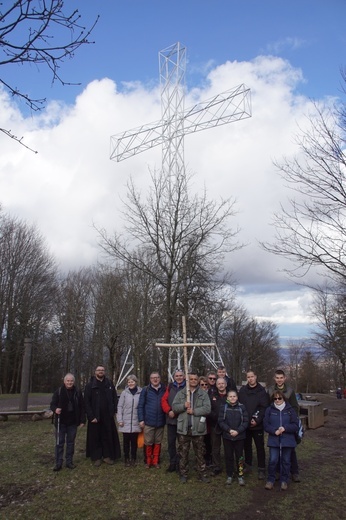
(25, 382)
(184, 345)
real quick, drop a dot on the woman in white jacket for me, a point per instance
(127, 418)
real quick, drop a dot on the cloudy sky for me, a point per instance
(287, 53)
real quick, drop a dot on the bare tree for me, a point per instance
(330, 333)
(27, 285)
(311, 228)
(38, 32)
(175, 238)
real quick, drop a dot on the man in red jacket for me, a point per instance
(172, 389)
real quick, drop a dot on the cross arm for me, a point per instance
(231, 105)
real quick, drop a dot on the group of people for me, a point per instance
(207, 413)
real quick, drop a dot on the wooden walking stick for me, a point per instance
(184, 345)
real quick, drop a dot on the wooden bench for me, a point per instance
(4, 414)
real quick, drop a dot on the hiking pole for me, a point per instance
(58, 430)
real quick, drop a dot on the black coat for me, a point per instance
(65, 399)
(100, 398)
(256, 401)
(216, 401)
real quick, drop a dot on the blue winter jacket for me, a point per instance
(149, 406)
(273, 419)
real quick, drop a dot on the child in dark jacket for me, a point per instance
(233, 421)
(281, 423)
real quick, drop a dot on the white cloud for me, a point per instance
(71, 182)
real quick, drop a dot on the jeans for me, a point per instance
(279, 458)
(67, 433)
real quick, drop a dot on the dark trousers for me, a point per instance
(233, 450)
(258, 437)
(207, 444)
(68, 434)
(279, 458)
(172, 439)
(130, 443)
(216, 440)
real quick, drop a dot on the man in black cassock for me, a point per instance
(101, 400)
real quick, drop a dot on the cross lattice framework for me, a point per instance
(169, 132)
(232, 105)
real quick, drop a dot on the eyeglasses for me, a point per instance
(277, 398)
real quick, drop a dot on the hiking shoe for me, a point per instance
(204, 479)
(70, 465)
(269, 485)
(295, 478)
(171, 468)
(183, 479)
(283, 486)
(261, 474)
(57, 467)
(241, 481)
(109, 461)
(229, 481)
(97, 463)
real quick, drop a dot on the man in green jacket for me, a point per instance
(192, 426)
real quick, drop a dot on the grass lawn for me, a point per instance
(29, 489)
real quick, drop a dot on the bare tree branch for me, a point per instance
(39, 32)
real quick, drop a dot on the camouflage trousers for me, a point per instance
(198, 445)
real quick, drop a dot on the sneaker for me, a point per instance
(70, 465)
(269, 485)
(97, 463)
(171, 468)
(241, 481)
(57, 467)
(216, 471)
(261, 474)
(229, 481)
(247, 468)
(204, 479)
(283, 486)
(127, 463)
(109, 461)
(183, 479)
(295, 478)
(157, 466)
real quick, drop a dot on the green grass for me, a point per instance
(29, 489)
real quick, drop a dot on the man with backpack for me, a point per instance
(68, 407)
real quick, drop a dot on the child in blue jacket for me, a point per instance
(233, 421)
